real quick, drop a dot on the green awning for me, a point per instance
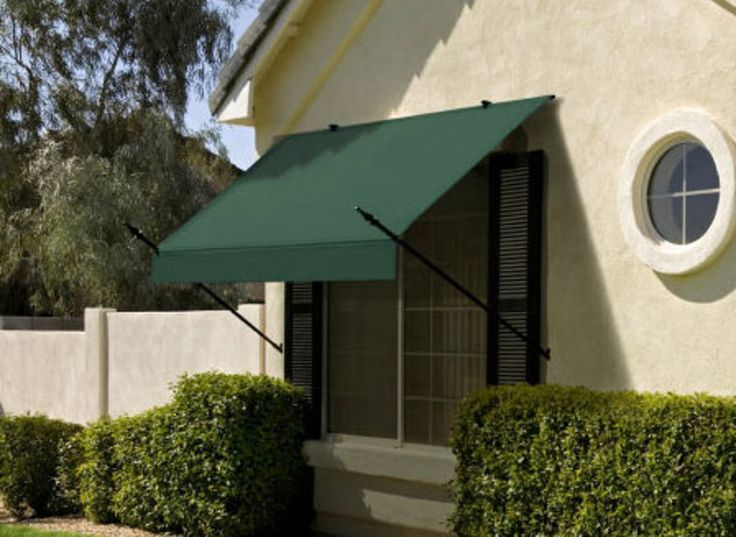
(291, 216)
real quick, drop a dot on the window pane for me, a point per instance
(417, 417)
(701, 209)
(700, 168)
(668, 174)
(418, 375)
(444, 333)
(455, 376)
(362, 349)
(459, 331)
(417, 331)
(417, 278)
(666, 215)
(443, 413)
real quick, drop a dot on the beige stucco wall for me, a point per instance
(615, 66)
(150, 351)
(122, 363)
(43, 372)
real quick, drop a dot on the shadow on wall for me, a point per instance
(578, 323)
(373, 503)
(2, 410)
(391, 53)
(728, 5)
(709, 284)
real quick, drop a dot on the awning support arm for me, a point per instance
(138, 234)
(375, 222)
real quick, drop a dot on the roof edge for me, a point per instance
(246, 48)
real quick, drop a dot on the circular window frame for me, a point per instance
(659, 254)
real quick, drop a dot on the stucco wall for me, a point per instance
(122, 363)
(149, 351)
(43, 372)
(615, 66)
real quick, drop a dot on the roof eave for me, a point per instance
(248, 45)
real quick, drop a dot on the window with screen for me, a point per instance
(444, 347)
(444, 333)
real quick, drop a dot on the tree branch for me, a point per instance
(106, 82)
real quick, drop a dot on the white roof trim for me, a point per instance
(278, 20)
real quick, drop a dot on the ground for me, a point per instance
(68, 523)
(13, 530)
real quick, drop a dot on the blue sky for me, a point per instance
(239, 141)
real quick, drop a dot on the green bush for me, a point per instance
(569, 461)
(223, 459)
(32, 453)
(66, 484)
(95, 474)
(147, 456)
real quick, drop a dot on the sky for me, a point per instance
(240, 141)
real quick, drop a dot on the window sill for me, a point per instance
(421, 464)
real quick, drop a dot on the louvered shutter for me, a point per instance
(515, 236)
(303, 353)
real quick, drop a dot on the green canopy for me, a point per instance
(291, 216)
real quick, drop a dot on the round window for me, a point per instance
(677, 195)
(683, 192)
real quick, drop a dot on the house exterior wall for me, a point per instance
(615, 67)
(612, 322)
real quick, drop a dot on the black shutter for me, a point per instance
(303, 356)
(515, 286)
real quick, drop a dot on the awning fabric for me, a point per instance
(291, 216)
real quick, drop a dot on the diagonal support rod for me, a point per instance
(375, 222)
(138, 234)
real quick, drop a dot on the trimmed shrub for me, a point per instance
(95, 474)
(147, 454)
(66, 484)
(550, 460)
(31, 450)
(223, 459)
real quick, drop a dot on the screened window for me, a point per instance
(362, 371)
(683, 193)
(444, 334)
(441, 348)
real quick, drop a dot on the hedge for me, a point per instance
(38, 458)
(95, 474)
(223, 459)
(570, 461)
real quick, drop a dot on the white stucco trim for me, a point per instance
(650, 248)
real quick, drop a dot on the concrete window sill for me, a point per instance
(421, 464)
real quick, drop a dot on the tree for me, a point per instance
(92, 98)
(84, 254)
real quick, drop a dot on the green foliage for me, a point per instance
(92, 96)
(96, 472)
(12, 530)
(32, 448)
(569, 461)
(66, 484)
(155, 179)
(223, 459)
(75, 63)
